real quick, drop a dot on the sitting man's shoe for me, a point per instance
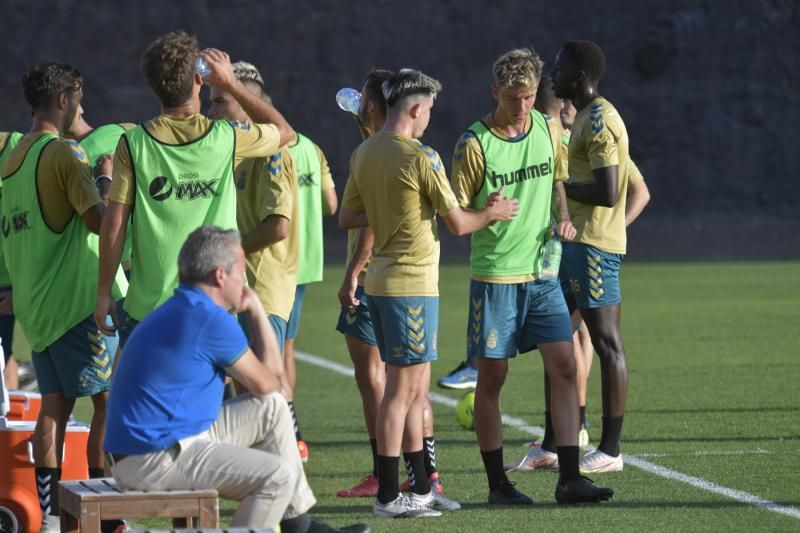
(507, 494)
(536, 459)
(405, 507)
(433, 481)
(598, 462)
(367, 487)
(462, 377)
(581, 490)
(322, 527)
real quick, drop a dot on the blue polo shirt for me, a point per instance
(170, 379)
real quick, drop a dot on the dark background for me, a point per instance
(709, 90)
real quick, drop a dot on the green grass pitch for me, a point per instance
(713, 394)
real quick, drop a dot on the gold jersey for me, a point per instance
(401, 184)
(598, 140)
(267, 186)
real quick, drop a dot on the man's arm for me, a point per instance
(352, 213)
(112, 241)
(330, 201)
(361, 256)
(565, 229)
(260, 369)
(349, 219)
(638, 198)
(93, 218)
(274, 228)
(259, 111)
(602, 192)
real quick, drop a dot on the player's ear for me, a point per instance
(494, 90)
(415, 110)
(61, 100)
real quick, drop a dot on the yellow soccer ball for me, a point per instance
(464, 410)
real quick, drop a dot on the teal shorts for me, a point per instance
(77, 364)
(590, 275)
(356, 321)
(297, 309)
(405, 328)
(507, 318)
(278, 327)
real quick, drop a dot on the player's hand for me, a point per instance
(221, 69)
(347, 292)
(6, 304)
(566, 231)
(249, 302)
(501, 207)
(106, 306)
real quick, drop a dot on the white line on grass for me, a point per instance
(522, 425)
(757, 451)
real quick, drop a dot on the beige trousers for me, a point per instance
(249, 454)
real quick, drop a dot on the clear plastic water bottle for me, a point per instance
(349, 100)
(202, 67)
(551, 255)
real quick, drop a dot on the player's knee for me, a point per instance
(492, 377)
(564, 369)
(280, 477)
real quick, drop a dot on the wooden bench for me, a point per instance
(86, 502)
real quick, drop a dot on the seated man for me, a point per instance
(167, 426)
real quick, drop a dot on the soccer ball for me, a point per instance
(464, 410)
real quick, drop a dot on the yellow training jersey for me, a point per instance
(267, 186)
(599, 139)
(469, 174)
(401, 184)
(252, 140)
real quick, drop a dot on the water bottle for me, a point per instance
(551, 255)
(202, 67)
(349, 100)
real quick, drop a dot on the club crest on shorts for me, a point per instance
(491, 340)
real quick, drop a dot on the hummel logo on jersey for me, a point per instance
(523, 174)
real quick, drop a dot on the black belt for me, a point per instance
(114, 458)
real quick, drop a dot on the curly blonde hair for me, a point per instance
(168, 66)
(520, 67)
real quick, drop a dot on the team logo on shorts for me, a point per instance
(351, 315)
(491, 340)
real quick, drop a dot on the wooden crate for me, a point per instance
(85, 503)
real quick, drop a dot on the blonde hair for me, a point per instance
(520, 67)
(244, 71)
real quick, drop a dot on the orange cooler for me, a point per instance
(24, 405)
(17, 478)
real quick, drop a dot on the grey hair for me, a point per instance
(409, 82)
(206, 249)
